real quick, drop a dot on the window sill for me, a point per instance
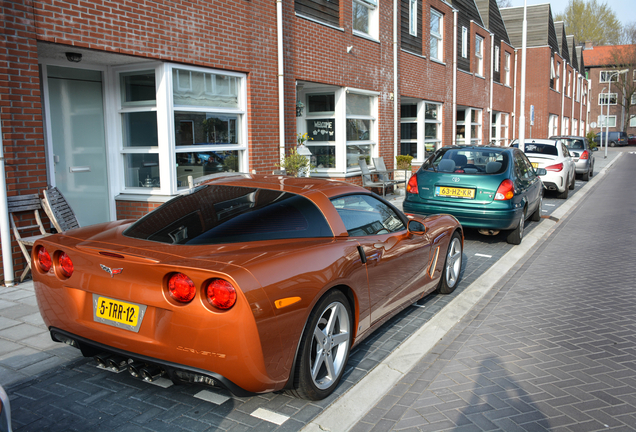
(144, 197)
(480, 76)
(314, 20)
(438, 61)
(413, 53)
(365, 36)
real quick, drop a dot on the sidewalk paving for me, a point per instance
(26, 349)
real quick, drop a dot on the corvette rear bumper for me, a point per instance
(173, 371)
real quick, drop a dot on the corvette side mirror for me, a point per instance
(416, 227)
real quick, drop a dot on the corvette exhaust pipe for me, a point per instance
(117, 363)
(102, 359)
(151, 373)
(135, 368)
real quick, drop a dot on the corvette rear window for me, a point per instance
(214, 214)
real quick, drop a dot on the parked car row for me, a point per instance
(495, 189)
(612, 138)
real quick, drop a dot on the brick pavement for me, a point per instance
(551, 347)
(52, 388)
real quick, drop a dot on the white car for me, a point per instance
(554, 156)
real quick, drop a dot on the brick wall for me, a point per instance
(20, 110)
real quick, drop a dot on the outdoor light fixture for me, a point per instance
(74, 57)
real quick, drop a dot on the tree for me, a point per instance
(629, 34)
(504, 3)
(591, 21)
(623, 57)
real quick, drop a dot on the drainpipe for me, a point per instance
(7, 255)
(522, 116)
(492, 80)
(573, 86)
(395, 80)
(281, 80)
(454, 131)
(514, 97)
(565, 75)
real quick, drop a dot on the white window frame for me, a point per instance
(479, 55)
(373, 18)
(507, 69)
(632, 121)
(601, 120)
(557, 78)
(575, 126)
(565, 130)
(579, 85)
(437, 38)
(497, 59)
(633, 101)
(373, 130)
(569, 84)
(604, 74)
(475, 139)
(500, 128)
(603, 97)
(413, 17)
(165, 108)
(464, 42)
(553, 125)
(437, 141)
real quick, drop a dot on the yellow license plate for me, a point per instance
(535, 164)
(455, 192)
(118, 313)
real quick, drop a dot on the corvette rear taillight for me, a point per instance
(411, 187)
(181, 288)
(585, 155)
(556, 168)
(44, 259)
(66, 265)
(221, 294)
(505, 191)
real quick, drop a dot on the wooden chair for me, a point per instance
(57, 209)
(385, 174)
(367, 178)
(23, 204)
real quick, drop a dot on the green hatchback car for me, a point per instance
(485, 187)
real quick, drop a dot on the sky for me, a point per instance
(622, 8)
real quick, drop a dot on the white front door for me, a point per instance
(76, 120)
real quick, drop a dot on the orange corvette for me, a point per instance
(247, 282)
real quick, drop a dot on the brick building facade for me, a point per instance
(118, 103)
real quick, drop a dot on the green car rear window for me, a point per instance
(213, 214)
(468, 161)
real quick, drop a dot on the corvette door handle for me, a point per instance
(363, 256)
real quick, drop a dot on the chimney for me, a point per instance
(588, 45)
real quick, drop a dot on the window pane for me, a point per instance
(354, 152)
(430, 131)
(409, 111)
(323, 156)
(140, 129)
(138, 87)
(358, 104)
(199, 164)
(435, 23)
(321, 103)
(409, 131)
(192, 88)
(474, 116)
(360, 17)
(358, 130)
(432, 112)
(142, 170)
(434, 48)
(408, 148)
(205, 128)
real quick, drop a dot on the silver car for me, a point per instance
(581, 153)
